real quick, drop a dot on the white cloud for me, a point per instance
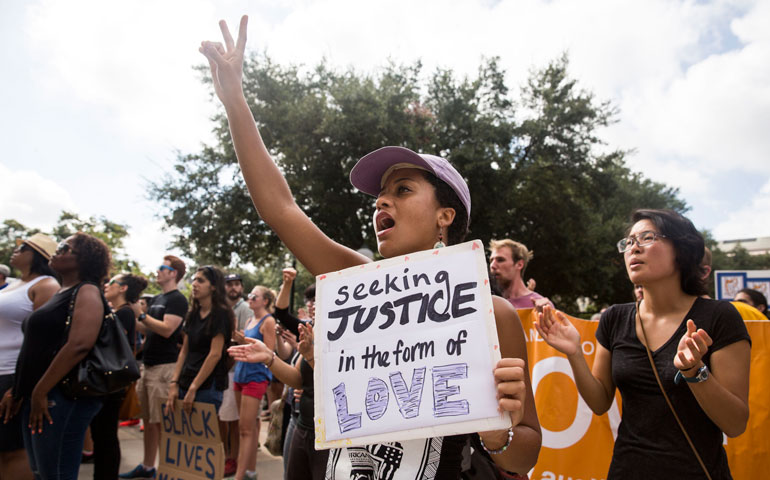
(753, 220)
(31, 199)
(148, 242)
(131, 62)
(692, 79)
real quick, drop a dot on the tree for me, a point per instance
(69, 223)
(10, 231)
(533, 166)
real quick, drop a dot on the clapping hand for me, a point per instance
(254, 351)
(557, 331)
(306, 341)
(692, 347)
(239, 337)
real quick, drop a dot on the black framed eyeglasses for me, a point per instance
(65, 247)
(640, 239)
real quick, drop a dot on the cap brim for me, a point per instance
(367, 174)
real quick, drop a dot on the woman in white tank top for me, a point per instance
(36, 286)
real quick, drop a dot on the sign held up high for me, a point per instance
(405, 349)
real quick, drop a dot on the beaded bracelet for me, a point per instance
(272, 359)
(501, 449)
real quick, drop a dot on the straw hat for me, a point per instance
(41, 243)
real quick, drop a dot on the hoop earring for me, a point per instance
(440, 243)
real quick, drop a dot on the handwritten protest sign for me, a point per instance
(190, 446)
(405, 349)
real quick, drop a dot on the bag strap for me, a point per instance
(71, 308)
(665, 395)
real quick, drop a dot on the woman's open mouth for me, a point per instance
(384, 223)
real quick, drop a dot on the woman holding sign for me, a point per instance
(201, 369)
(700, 349)
(425, 203)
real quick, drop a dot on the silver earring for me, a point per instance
(440, 243)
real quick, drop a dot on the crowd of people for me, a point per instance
(670, 351)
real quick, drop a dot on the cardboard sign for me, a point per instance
(190, 446)
(404, 349)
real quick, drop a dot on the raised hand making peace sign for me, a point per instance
(226, 62)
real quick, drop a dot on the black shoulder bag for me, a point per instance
(109, 366)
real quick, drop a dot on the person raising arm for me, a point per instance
(421, 200)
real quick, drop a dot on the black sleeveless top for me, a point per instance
(43, 337)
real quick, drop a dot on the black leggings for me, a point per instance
(305, 462)
(104, 431)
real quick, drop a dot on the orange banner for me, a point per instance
(578, 444)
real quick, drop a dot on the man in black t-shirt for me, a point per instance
(162, 327)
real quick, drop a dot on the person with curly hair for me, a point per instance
(122, 291)
(200, 373)
(55, 424)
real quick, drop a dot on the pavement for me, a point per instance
(132, 451)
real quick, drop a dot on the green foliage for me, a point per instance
(537, 169)
(10, 231)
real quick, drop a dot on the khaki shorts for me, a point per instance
(153, 385)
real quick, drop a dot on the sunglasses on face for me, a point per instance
(22, 248)
(166, 267)
(63, 248)
(115, 281)
(252, 296)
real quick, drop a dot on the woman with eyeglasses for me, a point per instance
(122, 291)
(37, 284)
(700, 348)
(253, 379)
(425, 204)
(55, 424)
(200, 374)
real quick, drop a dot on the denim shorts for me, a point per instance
(210, 395)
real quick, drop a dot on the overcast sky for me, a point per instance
(98, 96)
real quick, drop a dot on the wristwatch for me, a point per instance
(142, 316)
(701, 376)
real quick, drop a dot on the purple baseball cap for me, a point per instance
(371, 170)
